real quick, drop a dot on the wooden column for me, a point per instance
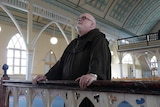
(3, 92)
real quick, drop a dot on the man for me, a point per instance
(86, 59)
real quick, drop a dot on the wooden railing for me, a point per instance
(100, 93)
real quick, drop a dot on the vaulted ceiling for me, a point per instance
(136, 17)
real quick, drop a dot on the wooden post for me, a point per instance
(3, 88)
(3, 93)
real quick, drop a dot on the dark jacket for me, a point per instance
(89, 53)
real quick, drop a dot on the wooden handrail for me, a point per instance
(100, 93)
(145, 86)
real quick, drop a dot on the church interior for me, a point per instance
(128, 26)
(34, 34)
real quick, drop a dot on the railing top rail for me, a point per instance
(133, 87)
(135, 36)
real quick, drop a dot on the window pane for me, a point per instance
(10, 61)
(47, 67)
(10, 44)
(17, 45)
(17, 62)
(23, 62)
(17, 54)
(17, 35)
(14, 39)
(10, 70)
(23, 46)
(23, 54)
(127, 59)
(154, 62)
(10, 53)
(16, 70)
(23, 70)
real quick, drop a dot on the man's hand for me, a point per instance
(86, 80)
(38, 78)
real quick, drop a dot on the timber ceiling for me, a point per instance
(136, 17)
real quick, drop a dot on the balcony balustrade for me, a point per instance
(141, 42)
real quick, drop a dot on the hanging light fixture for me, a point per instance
(53, 39)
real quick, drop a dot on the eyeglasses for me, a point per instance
(83, 18)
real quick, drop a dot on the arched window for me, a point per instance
(154, 66)
(16, 55)
(127, 59)
(50, 60)
(154, 62)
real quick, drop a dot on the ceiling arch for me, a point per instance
(137, 17)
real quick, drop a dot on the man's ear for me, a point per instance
(92, 25)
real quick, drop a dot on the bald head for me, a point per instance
(86, 22)
(91, 18)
